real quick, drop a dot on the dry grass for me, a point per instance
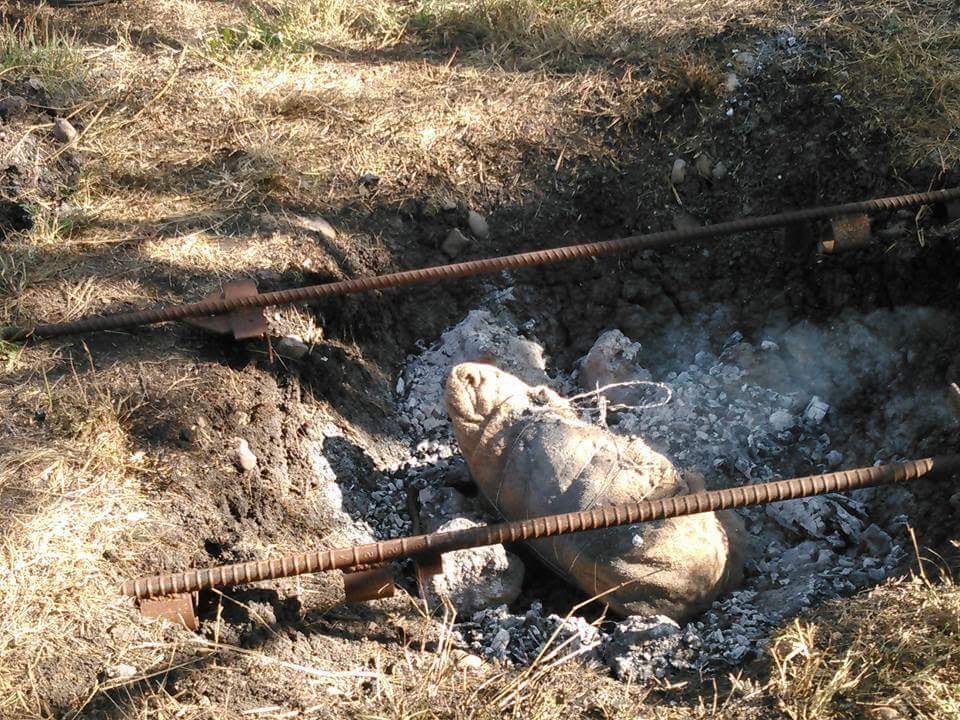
(241, 111)
(71, 511)
(897, 647)
(898, 60)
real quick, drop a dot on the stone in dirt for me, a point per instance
(317, 224)
(704, 166)
(477, 578)
(63, 131)
(478, 225)
(455, 243)
(293, 347)
(531, 455)
(745, 62)
(679, 171)
(244, 456)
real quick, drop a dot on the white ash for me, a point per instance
(498, 634)
(483, 336)
(743, 411)
(647, 648)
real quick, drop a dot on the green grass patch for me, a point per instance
(31, 48)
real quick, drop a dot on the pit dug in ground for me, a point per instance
(295, 143)
(741, 377)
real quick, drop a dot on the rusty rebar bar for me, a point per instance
(434, 544)
(404, 278)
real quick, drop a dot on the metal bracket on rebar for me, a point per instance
(435, 544)
(312, 293)
(850, 232)
(179, 609)
(369, 584)
(242, 323)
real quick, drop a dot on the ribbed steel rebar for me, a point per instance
(473, 267)
(546, 526)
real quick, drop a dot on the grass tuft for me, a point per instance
(30, 46)
(897, 647)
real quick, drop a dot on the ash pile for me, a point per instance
(738, 411)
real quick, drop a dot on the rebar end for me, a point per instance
(12, 333)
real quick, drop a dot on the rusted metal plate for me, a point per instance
(428, 565)
(244, 323)
(848, 232)
(373, 584)
(172, 608)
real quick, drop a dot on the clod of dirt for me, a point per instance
(12, 106)
(476, 578)
(478, 225)
(63, 131)
(455, 243)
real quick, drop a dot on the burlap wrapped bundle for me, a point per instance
(530, 455)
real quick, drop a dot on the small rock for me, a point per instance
(816, 410)
(679, 172)
(292, 346)
(478, 225)
(731, 82)
(122, 671)
(876, 540)
(317, 224)
(469, 662)
(884, 713)
(745, 62)
(834, 458)
(719, 171)
(63, 131)
(781, 420)
(245, 458)
(704, 166)
(455, 244)
(11, 106)
(613, 359)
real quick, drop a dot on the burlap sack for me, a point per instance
(530, 456)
